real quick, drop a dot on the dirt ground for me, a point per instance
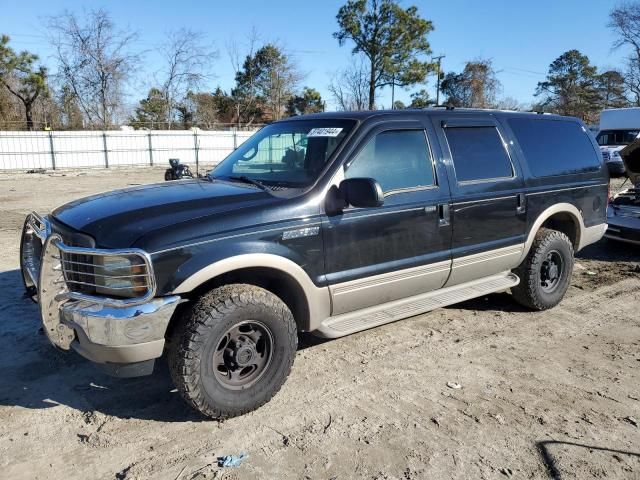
(544, 395)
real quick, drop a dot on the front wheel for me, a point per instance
(546, 272)
(233, 350)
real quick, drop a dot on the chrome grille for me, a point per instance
(35, 231)
(93, 272)
(78, 272)
(118, 277)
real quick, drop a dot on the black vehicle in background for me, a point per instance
(177, 171)
(328, 223)
(623, 214)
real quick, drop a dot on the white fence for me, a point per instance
(105, 149)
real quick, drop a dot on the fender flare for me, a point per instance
(317, 298)
(567, 208)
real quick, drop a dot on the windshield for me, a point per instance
(289, 154)
(611, 138)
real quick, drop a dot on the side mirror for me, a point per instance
(361, 192)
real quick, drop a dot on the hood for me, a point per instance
(117, 219)
(631, 158)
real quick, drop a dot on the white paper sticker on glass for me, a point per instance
(324, 132)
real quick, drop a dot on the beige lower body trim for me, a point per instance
(479, 265)
(592, 235)
(347, 323)
(361, 293)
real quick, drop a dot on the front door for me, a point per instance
(376, 255)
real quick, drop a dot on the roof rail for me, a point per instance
(446, 107)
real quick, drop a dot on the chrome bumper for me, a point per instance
(119, 335)
(102, 330)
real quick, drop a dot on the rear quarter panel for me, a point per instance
(587, 191)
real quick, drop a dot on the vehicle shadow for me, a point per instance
(499, 302)
(35, 375)
(610, 251)
(551, 464)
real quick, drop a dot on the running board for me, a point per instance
(352, 322)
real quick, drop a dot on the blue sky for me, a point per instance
(522, 38)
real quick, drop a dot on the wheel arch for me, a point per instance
(308, 303)
(563, 217)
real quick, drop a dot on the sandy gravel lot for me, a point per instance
(544, 395)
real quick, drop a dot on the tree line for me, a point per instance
(97, 64)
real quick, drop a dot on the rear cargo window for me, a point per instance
(478, 154)
(555, 147)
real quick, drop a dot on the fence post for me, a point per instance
(106, 154)
(235, 138)
(195, 143)
(53, 152)
(150, 150)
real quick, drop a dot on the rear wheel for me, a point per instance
(546, 272)
(168, 175)
(233, 350)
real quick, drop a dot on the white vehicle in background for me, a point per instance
(618, 128)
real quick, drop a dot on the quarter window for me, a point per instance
(397, 159)
(478, 153)
(555, 147)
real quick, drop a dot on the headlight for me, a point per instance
(120, 275)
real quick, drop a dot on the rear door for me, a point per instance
(488, 200)
(376, 255)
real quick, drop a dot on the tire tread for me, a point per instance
(527, 293)
(192, 332)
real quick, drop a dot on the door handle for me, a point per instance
(521, 203)
(443, 214)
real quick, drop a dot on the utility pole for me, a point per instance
(439, 59)
(393, 91)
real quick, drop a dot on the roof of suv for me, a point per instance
(366, 114)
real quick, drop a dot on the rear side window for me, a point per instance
(397, 159)
(555, 147)
(478, 154)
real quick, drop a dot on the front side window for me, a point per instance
(616, 138)
(396, 159)
(290, 154)
(478, 154)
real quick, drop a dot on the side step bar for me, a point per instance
(352, 322)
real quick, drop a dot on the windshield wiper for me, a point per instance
(252, 181)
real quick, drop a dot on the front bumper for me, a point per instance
(119, 335)
(105, 331)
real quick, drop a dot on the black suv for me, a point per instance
(331, 223)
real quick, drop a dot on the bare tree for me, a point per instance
(94, 60)
(476, 86)
(632, 82)
(510, 103)
(624, 20)
(350, 87)
(187, 57)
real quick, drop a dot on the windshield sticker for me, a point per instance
(324, 132)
